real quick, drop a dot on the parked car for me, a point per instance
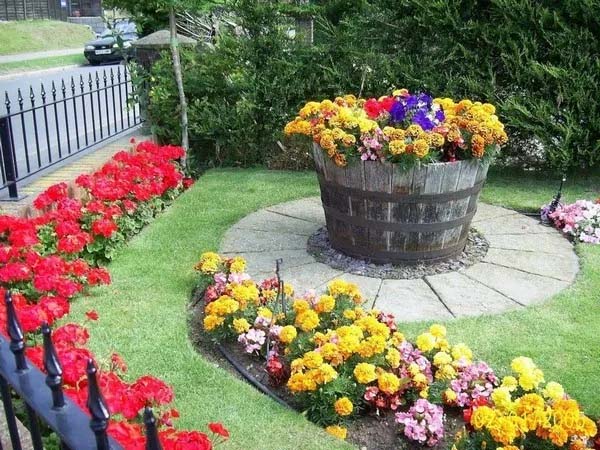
(112, 45)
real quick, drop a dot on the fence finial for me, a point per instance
(97, 407)
(152, 441)
(53, 368)
(15, 332)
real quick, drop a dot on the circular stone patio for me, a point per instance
(526, 263)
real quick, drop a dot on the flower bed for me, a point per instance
(342, 362)
(579, 220)
(400, 128)
(50, 259)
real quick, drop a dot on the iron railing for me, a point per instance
(43, 129)
(44, 400)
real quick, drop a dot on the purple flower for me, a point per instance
(423, 423)
(397, 113)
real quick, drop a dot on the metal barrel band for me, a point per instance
(331, 212)
(359, 194)
(400, 257)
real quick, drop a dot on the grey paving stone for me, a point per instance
(304, 209)
(563, 267)
(512, 224)
(369, 287)
(466, 297)
(309, 276)
(410, 300)
(523, 287)
(238, 240)
(265, 220)
(544, 242)
(487, 212)
(264, 262)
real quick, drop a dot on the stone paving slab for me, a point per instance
(525, 288)
(561, 267)
(268, 221)
(411, 300)
(526, 263)
(308, 210)
(550, 243)
(466, 297)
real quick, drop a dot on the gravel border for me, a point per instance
(319, 247)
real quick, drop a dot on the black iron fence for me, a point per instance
(42, 128)
(45, 403)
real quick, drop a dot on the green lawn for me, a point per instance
(39, 35)
(143, 313)
(42, 63)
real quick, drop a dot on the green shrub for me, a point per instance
(537, 61)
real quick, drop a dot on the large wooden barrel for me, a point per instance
(388, 214)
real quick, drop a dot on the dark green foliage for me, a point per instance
(537, 61)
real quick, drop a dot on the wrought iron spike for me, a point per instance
(72, 84)
(63, 88)
(152, 441)
(119, 73)
(31, 94)
(97, 407)
(43, 92)
(53, 89)
(53, 368)
(104, 76)
(6, 99)
(20, 98)
(15, 332)
(81, 83)
(112, 75)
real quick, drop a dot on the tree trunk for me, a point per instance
(179, 81)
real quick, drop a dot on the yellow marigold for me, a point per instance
(400, 92)
(441, 359)
(510, 382)
(529, 403)
(323, 374)
(300, 305)
(343, 406)
(307, 320)
(222, 306)
(558, 435)
(439, 331)
(425, 342)
(388, 383)
(241, 325)
(238, 265)
(397, 147)
(211, 322)
(531, 379)
(420, 380)
(446, 372)
(436, 140)
(502, 398)
(553, 391)
(325, 304)
(393, 358)
(245, 294)
(337, 431)
(312, 359)
(332, 353)
(421, 148)
(461, 351)
(373, 345)
(449, 396)
(288, 289)
(578, 445)
(394, 133)
(265, 312)
(482, 417)
(340, 287)
(210, 263)
(299, 382)
(397, 338)
(288, 334)
(311, 108)
(504, 430)
(522, 364)
(365, 373)
(477, 145)
(424, 393)
(414, 130)
(349, 314)
(587, 427)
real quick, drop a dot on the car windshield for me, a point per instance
(125, 29)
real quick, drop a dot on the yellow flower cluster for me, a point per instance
(337, 431)
(476, 118)
(549, 414)
(209, 263)
(339, 287)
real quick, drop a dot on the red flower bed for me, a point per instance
(48, 260)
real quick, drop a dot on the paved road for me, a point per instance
(89, 113)
(37, 55)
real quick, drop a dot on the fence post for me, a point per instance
(53, 369)
(8, 158)
(97, 407)
(152, 442)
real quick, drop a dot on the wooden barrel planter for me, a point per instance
(384, 213)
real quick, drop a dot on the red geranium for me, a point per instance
(373, 108)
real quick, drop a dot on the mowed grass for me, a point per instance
(144, 316)
(39, 35)
(42, 63)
